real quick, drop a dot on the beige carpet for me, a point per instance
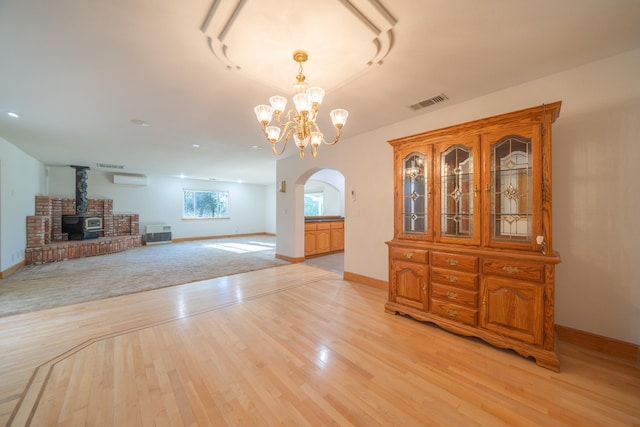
(36, 287)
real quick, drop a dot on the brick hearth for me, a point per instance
(47, 243)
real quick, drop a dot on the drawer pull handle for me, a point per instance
(452, 295)
(408, 255)
(452, 313)
(510, 269)
(452, 261)
(451, 278)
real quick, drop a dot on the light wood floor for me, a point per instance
(292, 345)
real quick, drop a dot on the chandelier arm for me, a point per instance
(273, 144)
(316, 127)
(314, 113)
(289, 118)
(336, 139)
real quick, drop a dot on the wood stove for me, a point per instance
(81, 226)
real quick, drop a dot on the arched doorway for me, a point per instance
(324, 208)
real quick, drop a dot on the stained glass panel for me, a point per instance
(414, 207)
(511, 189)
(456, 171)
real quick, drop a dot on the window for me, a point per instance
(205, 204)
(313, 204)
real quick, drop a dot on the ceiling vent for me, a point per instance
(427, 102)
(109, 166)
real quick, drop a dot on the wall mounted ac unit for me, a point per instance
(156, 234)
(130, 179)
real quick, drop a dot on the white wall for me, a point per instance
(596, 152)
(21, 178)
(160, 202)
(270, 208)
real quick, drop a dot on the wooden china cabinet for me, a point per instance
(472, 249)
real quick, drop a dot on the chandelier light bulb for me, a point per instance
(273, 133)
(339, 117)
(301, 101)
(264, 113)
(316, 138)
(301, 142)
(278, 103)
(315, 95)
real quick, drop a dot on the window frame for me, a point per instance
(216, 193)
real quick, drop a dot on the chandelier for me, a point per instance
(301, 122)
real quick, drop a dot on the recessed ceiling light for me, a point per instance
(140, 122)
(12, 114)
(256, 147)
(195, 145)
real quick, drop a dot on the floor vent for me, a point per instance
(427, 102)
(156, 234)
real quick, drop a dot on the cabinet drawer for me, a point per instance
(408, 254)
(454, 278)
(323, 226)
(455, 312)
(513, 269)
(335, 225)
(309, 226)
(455, 261)
(455, 295)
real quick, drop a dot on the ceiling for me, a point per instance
(81, 74)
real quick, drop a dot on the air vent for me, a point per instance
(130, 179)
(427, 102)
(109, 166)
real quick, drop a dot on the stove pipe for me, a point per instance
(82, 201)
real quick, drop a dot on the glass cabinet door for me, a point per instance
(415, 196)
(513, 191)
(511, 208)
(456, 193)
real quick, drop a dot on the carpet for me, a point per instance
(37, 287)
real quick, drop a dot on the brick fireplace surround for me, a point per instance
(47, 243)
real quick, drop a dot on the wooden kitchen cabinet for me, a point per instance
(310, 238)
(472, 249)
(323, 237)
(337, 236)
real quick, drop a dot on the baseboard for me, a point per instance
(9, 271)
(290, 259)
(610, 346)
(376, 283)
(224, 236)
